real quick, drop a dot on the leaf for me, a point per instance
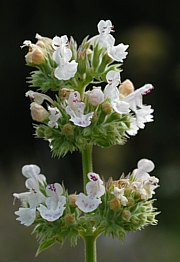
(45, 244)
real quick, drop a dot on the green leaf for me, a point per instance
(45, 244)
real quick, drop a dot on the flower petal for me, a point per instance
(30, 170)
(52, 212)
(26, 216)
(87, 203)
(118, 53)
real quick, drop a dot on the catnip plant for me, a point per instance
(89, 105)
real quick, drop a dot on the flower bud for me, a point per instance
(38, 112)
(122, 182)
(126, 214)
(69, 219)
(43, 42)
(130, 201)
(72, 200)
(40, 131)
(68, 129)
(96, 96)
(106, 108)
(126, 88)
(48, 133)
(35, 56)
(64, 92)
(114, 204)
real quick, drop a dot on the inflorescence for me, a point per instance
(89, 105)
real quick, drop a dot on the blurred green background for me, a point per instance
(152, 31)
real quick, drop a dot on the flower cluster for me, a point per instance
(47, 199)
(83, 111)
(126, 203)
(89, 105)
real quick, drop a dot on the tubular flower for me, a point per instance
(38, 97)
(95, 96)
(47, 199)
(54, 203)
(95, 189)
(30, 200)
(62, 56)
(143, 182)
(54, 116)
(75, 109)
(143, 113)
(106, 40)
(111, 92)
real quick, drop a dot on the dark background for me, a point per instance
(152, 31)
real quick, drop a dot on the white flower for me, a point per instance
(135, 98)
(53, 210)
(38, 97)
(54, 203)
(95, 96)
(54, 116)
(144, 166)
(104, 39)
(30, 200)
(75, 108)
(143, 182)
(87, 203)
(26, 216)
(118, 53)
(119, 193)
(150, 186)
(142, 116)
(62, 56)
(95, 187)
(143, 113)
(112, 93)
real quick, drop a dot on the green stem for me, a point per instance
(90, 249)
(86, 163)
